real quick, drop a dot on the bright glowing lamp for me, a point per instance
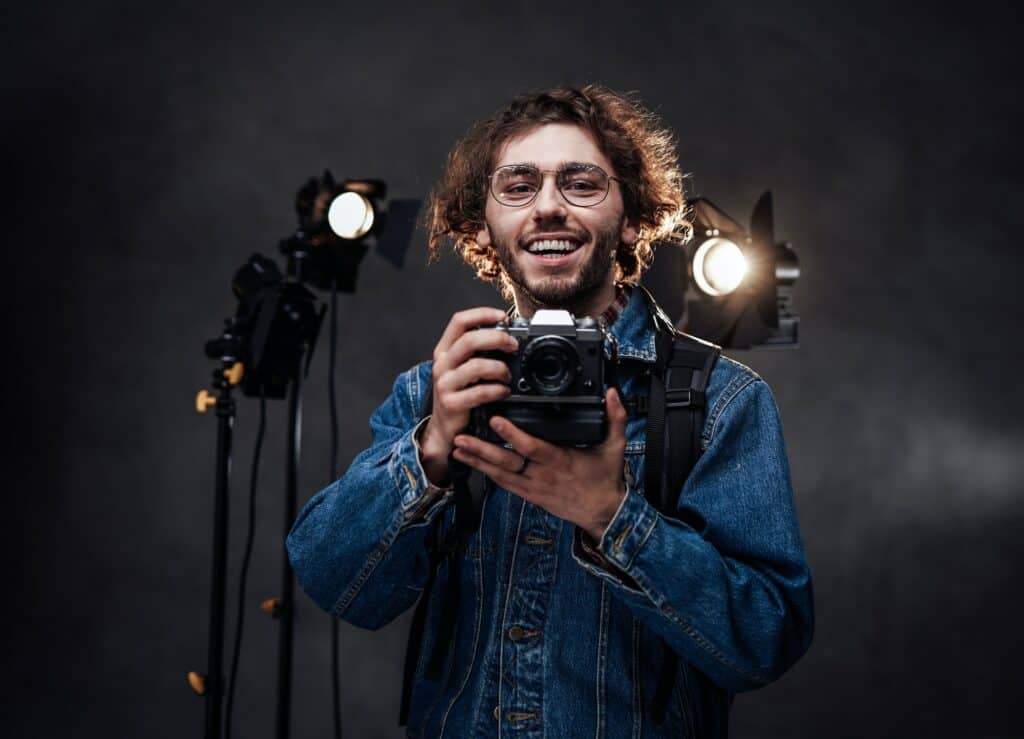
(350, 215)
(719, 266)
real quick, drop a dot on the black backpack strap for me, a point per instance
(443, 548)
(470, 487)
(686, 379)
(414, 646)
(654, 450)
(675, 420)
(675, 415)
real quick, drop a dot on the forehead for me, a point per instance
(549, 145)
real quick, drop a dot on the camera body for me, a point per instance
(558, 378)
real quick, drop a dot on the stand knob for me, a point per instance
(271, 606)
(205, 401)
(234, 374)
(197, 682)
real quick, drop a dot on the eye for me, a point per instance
(583, 182)
(581, 185)
(517, 192)
(516, 184)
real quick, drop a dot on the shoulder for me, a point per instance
(731, 384)
(407, 402)
(415, 383)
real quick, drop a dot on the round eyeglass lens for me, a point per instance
(583, 186)
(518, 184)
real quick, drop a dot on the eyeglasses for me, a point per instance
(517, 185)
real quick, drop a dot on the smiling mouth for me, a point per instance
(553, 248)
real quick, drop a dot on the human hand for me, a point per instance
(583, 486)
(462, 381)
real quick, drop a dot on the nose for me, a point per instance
(549, 204)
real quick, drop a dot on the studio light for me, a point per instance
(339, 223)
(273, 330)
(740, 282)
(719, 266)
(350, 215)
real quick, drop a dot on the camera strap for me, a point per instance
(443, 545)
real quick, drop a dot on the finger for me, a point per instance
(528, 446)
(477, 342)
(508, 480)
(477, 369)
(463, 321)
(471, 397)
(492, 453)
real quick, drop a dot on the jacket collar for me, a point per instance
(634, 330)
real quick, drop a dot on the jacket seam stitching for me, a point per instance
(734, 388)
(372, 560)
(413, 390)
(504, 612)
(638, 692)
(478, 567)
(378, 552)
(601, 667)
(641, 543)
(710, 648)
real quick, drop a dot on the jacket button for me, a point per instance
(497, 713)
(516, 633)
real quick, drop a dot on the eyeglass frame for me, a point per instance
(556, 172)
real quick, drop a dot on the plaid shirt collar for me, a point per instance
(615, 308)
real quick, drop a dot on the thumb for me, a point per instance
(616, 416)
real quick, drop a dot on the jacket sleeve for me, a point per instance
(725, 582)
(358, 546)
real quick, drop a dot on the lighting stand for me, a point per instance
(287, 603)
(275, 333)
(285, 609)
(211, 685)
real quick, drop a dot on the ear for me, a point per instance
(630, 233)
(483, 236)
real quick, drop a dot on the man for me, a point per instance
(574, 591)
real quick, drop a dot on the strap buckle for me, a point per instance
(684, 398)
(639, 405)
(679, 398)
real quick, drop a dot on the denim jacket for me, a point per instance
(549, 642)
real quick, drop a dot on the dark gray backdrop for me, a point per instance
(151, 147)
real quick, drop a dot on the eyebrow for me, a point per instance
(562, 166)
(576, 166)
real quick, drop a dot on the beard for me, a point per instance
(556, 291)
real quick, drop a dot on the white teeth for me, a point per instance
(562, 246)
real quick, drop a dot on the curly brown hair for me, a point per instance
(638, 145)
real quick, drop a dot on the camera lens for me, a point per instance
(550, 364)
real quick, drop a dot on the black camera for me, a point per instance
(558, 378)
